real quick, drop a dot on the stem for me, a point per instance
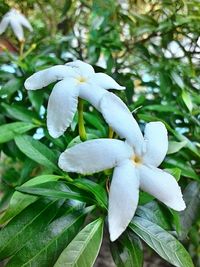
(110, 133)
(21, 48)
(81, 127)
(33, 46)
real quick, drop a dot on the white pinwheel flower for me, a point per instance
(17, 21)
(132, 171)
(75, 79)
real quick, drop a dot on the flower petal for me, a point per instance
(43, 78)
(161, 185)
(118, 116)
(83, 68)
(94, 156)
(4, 24)
(62, 106)
(91, 93)
(123, 198)
(155, 135)
(106, 82)
(17, 29)
(23, 20)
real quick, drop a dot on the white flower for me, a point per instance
(132, 171)
(76, 79)
(16, 20)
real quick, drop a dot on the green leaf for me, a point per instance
(84, 248)
(95, 121)
(97, 190)
(11, 130)
(187, 100)
(36, 99)
(37, 151)
(178, 79)
(57, 190)
(166, 245)
(175, 146)
(176, 172)
(11, 87)
(127, 251)
(20, 113)
(155, 213)
(77, 140)
(45, 247)
(191, 196)
(162, 109)
(145, 198)
(20, 201)
(186, 169)
(25, 225)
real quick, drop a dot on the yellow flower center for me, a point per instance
(81, 79)
(137, 160)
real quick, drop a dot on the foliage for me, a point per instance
(50, 218)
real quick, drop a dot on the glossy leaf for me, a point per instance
(11, 87)
(166, 245)
(155, 213)
(45, 247)
(20, 201)
(84, 248)
(11, 130)
(58, 190)
(97, 190)
(187, 100)
(36, 99)
(37, 151)
(175, 146)
(20, 113)
(127, 251)
(191, 196)
(26, 225)
(186, 169)
(95, 122)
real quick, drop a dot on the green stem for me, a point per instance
(24, 55)
(81, 127)
(110, 133)
(21, 48)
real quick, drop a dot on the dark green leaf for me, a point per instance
(55, 190)
(155, 213)
(191, 196)
(97, 190)
(166, 245)
(186, 169)
(37, 151)
(11, 87)
(20, 113)
(20, 201)
(11, 130)
(127, 251)
(95, 121)
(84, 248)
(45, 247)
(36, 99)
(25, 225)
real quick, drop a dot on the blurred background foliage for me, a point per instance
(151, 47)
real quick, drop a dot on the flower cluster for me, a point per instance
(135, 160)
(17, 21)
